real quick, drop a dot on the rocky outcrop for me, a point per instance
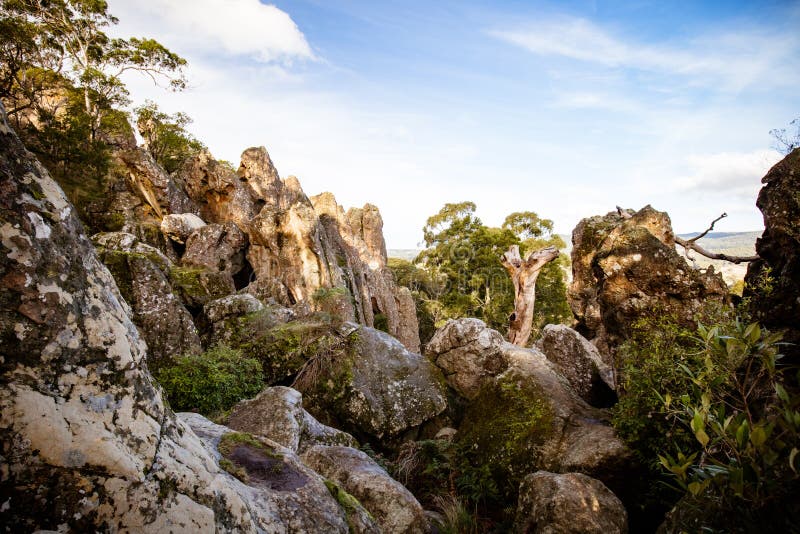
(87, 441)
(395, 509)
(231, 306)
(468, 353)
(773, 282)
(281, 492)
(580, 363)
(568, 503)
(624, 268)
(219, 247)
(298, 246)
(277, 413)
(141, 273)
(377, 388)
(525, 416)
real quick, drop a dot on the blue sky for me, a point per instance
(563, 108)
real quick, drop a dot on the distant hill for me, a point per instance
(403, 253)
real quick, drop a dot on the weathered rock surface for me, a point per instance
(277, 413)
(468, 353)
(580, 363)
(299, 246)
(568, 503)
(87, 443)
(773, 282)
(178, 226)
(380, 389)
(526, 417)
(624, 268)
(219, 247)
(141, 275)
(231, 306)
(282, 494)
(394, 507)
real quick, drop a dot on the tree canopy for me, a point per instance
(464, 274)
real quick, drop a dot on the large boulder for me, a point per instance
(277, 413)
(178, 226)
(569, 503)
(282, 493)
(219, 247)
(625, 268)
(394, 507)
(468, 354)
(377, 388)
(87, 442)
(141, 273)
(773, 281)
(580, 363)
(526, 416)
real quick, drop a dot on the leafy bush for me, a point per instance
(745, 424)
(211, 382)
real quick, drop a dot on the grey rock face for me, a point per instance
(580, 363)
(141, 273)
(568, 503)
(395, 509)
(277, 413)
(525, 416)
(218, 247)
(231, 306)
(392, 389)
(178, 226)
(468, 353)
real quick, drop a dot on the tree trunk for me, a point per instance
(524, 275)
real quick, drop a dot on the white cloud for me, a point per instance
(232, 27)
(728, 173)
(736, 60)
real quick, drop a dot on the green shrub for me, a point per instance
(745, 424)
(212, 381)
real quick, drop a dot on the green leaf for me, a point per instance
(758, 436)
(742, 434)
(702, 437)
(792, 456)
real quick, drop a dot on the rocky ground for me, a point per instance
(209, 256)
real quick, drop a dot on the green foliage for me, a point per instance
(745, 423)
(336, 302)
(166, 136)
(212, 381)
(465, 276)
(422, 287)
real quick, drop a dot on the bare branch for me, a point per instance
(702, 235)
(689, 244)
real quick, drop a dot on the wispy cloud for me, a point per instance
(735, 60)
(728, 173)
(232, 27)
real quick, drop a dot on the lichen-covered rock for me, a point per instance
(526, 416)
(231, 306)
(468, 354)
(300, 246)
(394, 507)
(87, 443)
(377, 388)
(277, 413)
(624, 268)
(178, 226)
(276, 485)
(773, 282)
(580, 363)
(569, 503)
(197, 286)
(219, 247)
(141, 275)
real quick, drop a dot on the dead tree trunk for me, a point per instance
(524, 275)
